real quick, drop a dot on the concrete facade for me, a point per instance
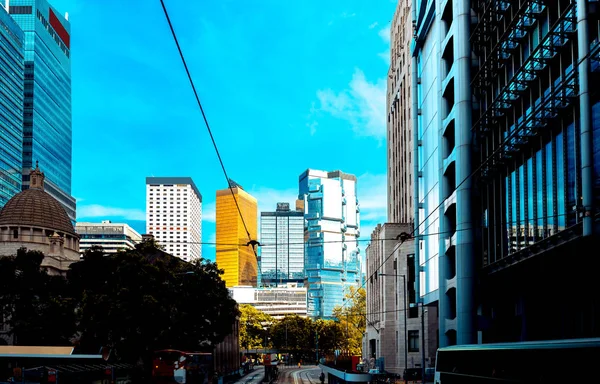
(174, 215)
(399, 119)
(393, 339)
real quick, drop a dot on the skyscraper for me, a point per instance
(237, 259)
(174, 215)
(332, 256)
(47, 128)
(507, 125)
(11, 106)
(399, 123)
(282, 250)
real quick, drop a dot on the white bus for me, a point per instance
(536, 362)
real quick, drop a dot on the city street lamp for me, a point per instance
(405, 322)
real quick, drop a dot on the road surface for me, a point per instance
(308, 375)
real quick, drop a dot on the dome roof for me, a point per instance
(34, 207)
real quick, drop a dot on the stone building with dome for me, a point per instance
(35, 220)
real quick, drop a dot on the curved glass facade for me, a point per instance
(11, 106)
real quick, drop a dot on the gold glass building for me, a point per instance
(233, 256)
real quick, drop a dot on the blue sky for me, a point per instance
(286, 86)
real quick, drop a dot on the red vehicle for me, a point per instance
(193, 367)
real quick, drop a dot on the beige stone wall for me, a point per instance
(399, 122)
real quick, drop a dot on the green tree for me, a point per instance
(352, 319)
(293, 333)
(143, 300)
(255, 327)
(37, 306)
(331, 336)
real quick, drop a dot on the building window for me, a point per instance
(413, 341)
(20, 10)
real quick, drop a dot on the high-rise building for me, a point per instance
(399, 123)
(282, 246)
(112, 237)
(174, 215)
(507, 127)
(234, 231)
(47, 126)
(332, 256)
(11, 106)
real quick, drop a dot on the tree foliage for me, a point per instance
(352, 319)
(293, 333)
(37, 307)
(133, 302)
(299, 335)
(254, 327)
(144, 300)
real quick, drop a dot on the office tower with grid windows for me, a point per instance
(235, 228)
(282, 250)
(11, 106)
(47, 126)
(174, 215)
(507, 129)
(332, 256)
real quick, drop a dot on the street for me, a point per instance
(308, 375)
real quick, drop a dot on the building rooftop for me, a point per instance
(173, 181)
(34, 207)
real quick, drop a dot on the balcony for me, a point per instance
(450, 242)
(450, 201)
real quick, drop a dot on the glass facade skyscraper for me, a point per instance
(282, 246)
(332, 256)
(507, 138)
(47, 126)
(237, 259)
(11, 106)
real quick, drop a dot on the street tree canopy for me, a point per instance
(254, 327)
(352, 319)
(133, 302)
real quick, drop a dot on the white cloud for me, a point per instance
(96, 210)
(372, 196)
(385, 56)
(373, 25)
(346, 15)
(208, 212)
(384, 33)
(313, 127)
(362, 104)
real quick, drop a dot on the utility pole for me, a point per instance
(317, 346)
(423, 342)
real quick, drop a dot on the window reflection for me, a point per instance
(539, 164)
(560, 183)
(571, 194)
(549, 191)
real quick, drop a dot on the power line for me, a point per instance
(212, 138)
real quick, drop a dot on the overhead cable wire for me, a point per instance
(251, 241)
